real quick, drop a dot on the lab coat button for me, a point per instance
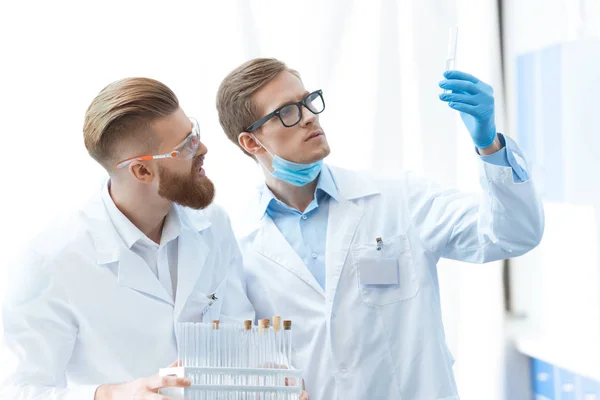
(314, 255)
(343, 369)
(304, 216)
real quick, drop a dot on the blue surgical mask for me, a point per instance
(291, 172)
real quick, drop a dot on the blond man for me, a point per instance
(352, 257)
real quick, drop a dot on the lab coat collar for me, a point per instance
(192, 255)
(272, 244)
(123, 226)
(133, 272)
(108, 243)
(343, 220)
(350, 185)
(353, 185)
(130, 233)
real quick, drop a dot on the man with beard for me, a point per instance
(96, 298)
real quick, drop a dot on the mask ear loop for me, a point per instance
(267, 150)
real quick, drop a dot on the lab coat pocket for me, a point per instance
(204, 306)
(385, 271)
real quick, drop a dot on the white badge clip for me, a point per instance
(212, 298)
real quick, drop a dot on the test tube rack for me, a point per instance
(235, 362)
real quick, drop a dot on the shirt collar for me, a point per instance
(325, 184)
(171, 228)
(130, 233)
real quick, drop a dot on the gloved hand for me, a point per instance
(475, 101)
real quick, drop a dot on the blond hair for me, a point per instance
(119, 118)
(234, 97)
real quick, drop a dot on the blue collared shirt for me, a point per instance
(307, 232)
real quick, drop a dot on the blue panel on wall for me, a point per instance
(551, 99)
(589, 388)
(567, 385)
(552, 383)
(526, 105)
(543, 379)
(540, 115)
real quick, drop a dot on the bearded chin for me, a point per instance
(186, 190)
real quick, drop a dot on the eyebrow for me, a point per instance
(186, 136)
(306, 93)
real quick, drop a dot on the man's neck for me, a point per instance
(146, 213)
(297, 197)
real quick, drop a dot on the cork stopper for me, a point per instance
(267, 323)
(215, 324)
(263, 323)
(277, 323)
(247, 325)
(287, 325)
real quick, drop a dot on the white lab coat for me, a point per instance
(85, 310)
(385, 341)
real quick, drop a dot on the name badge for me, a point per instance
(378, 271)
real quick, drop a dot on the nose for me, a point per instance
(308, 117)
(202, 150)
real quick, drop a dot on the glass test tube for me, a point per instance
(269, 355)
(277, 346)
(189, 345)
(246, 350)
(215, 353)
(261, 346)
(451, 57)
(179, 336)
(265, 348)
(287, 332)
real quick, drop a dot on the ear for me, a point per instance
(141, 172)
(248, 143)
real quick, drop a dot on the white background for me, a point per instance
(378, 63)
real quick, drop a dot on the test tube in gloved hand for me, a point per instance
(451, 57)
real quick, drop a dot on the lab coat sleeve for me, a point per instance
(506, 220)
(236, 305)
(501, 158)
(39, 335)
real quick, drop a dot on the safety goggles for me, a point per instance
(184, 151)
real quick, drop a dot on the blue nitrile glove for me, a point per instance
(475, 101)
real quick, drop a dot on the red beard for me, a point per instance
(189, 190)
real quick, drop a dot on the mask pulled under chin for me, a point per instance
(293, 173)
